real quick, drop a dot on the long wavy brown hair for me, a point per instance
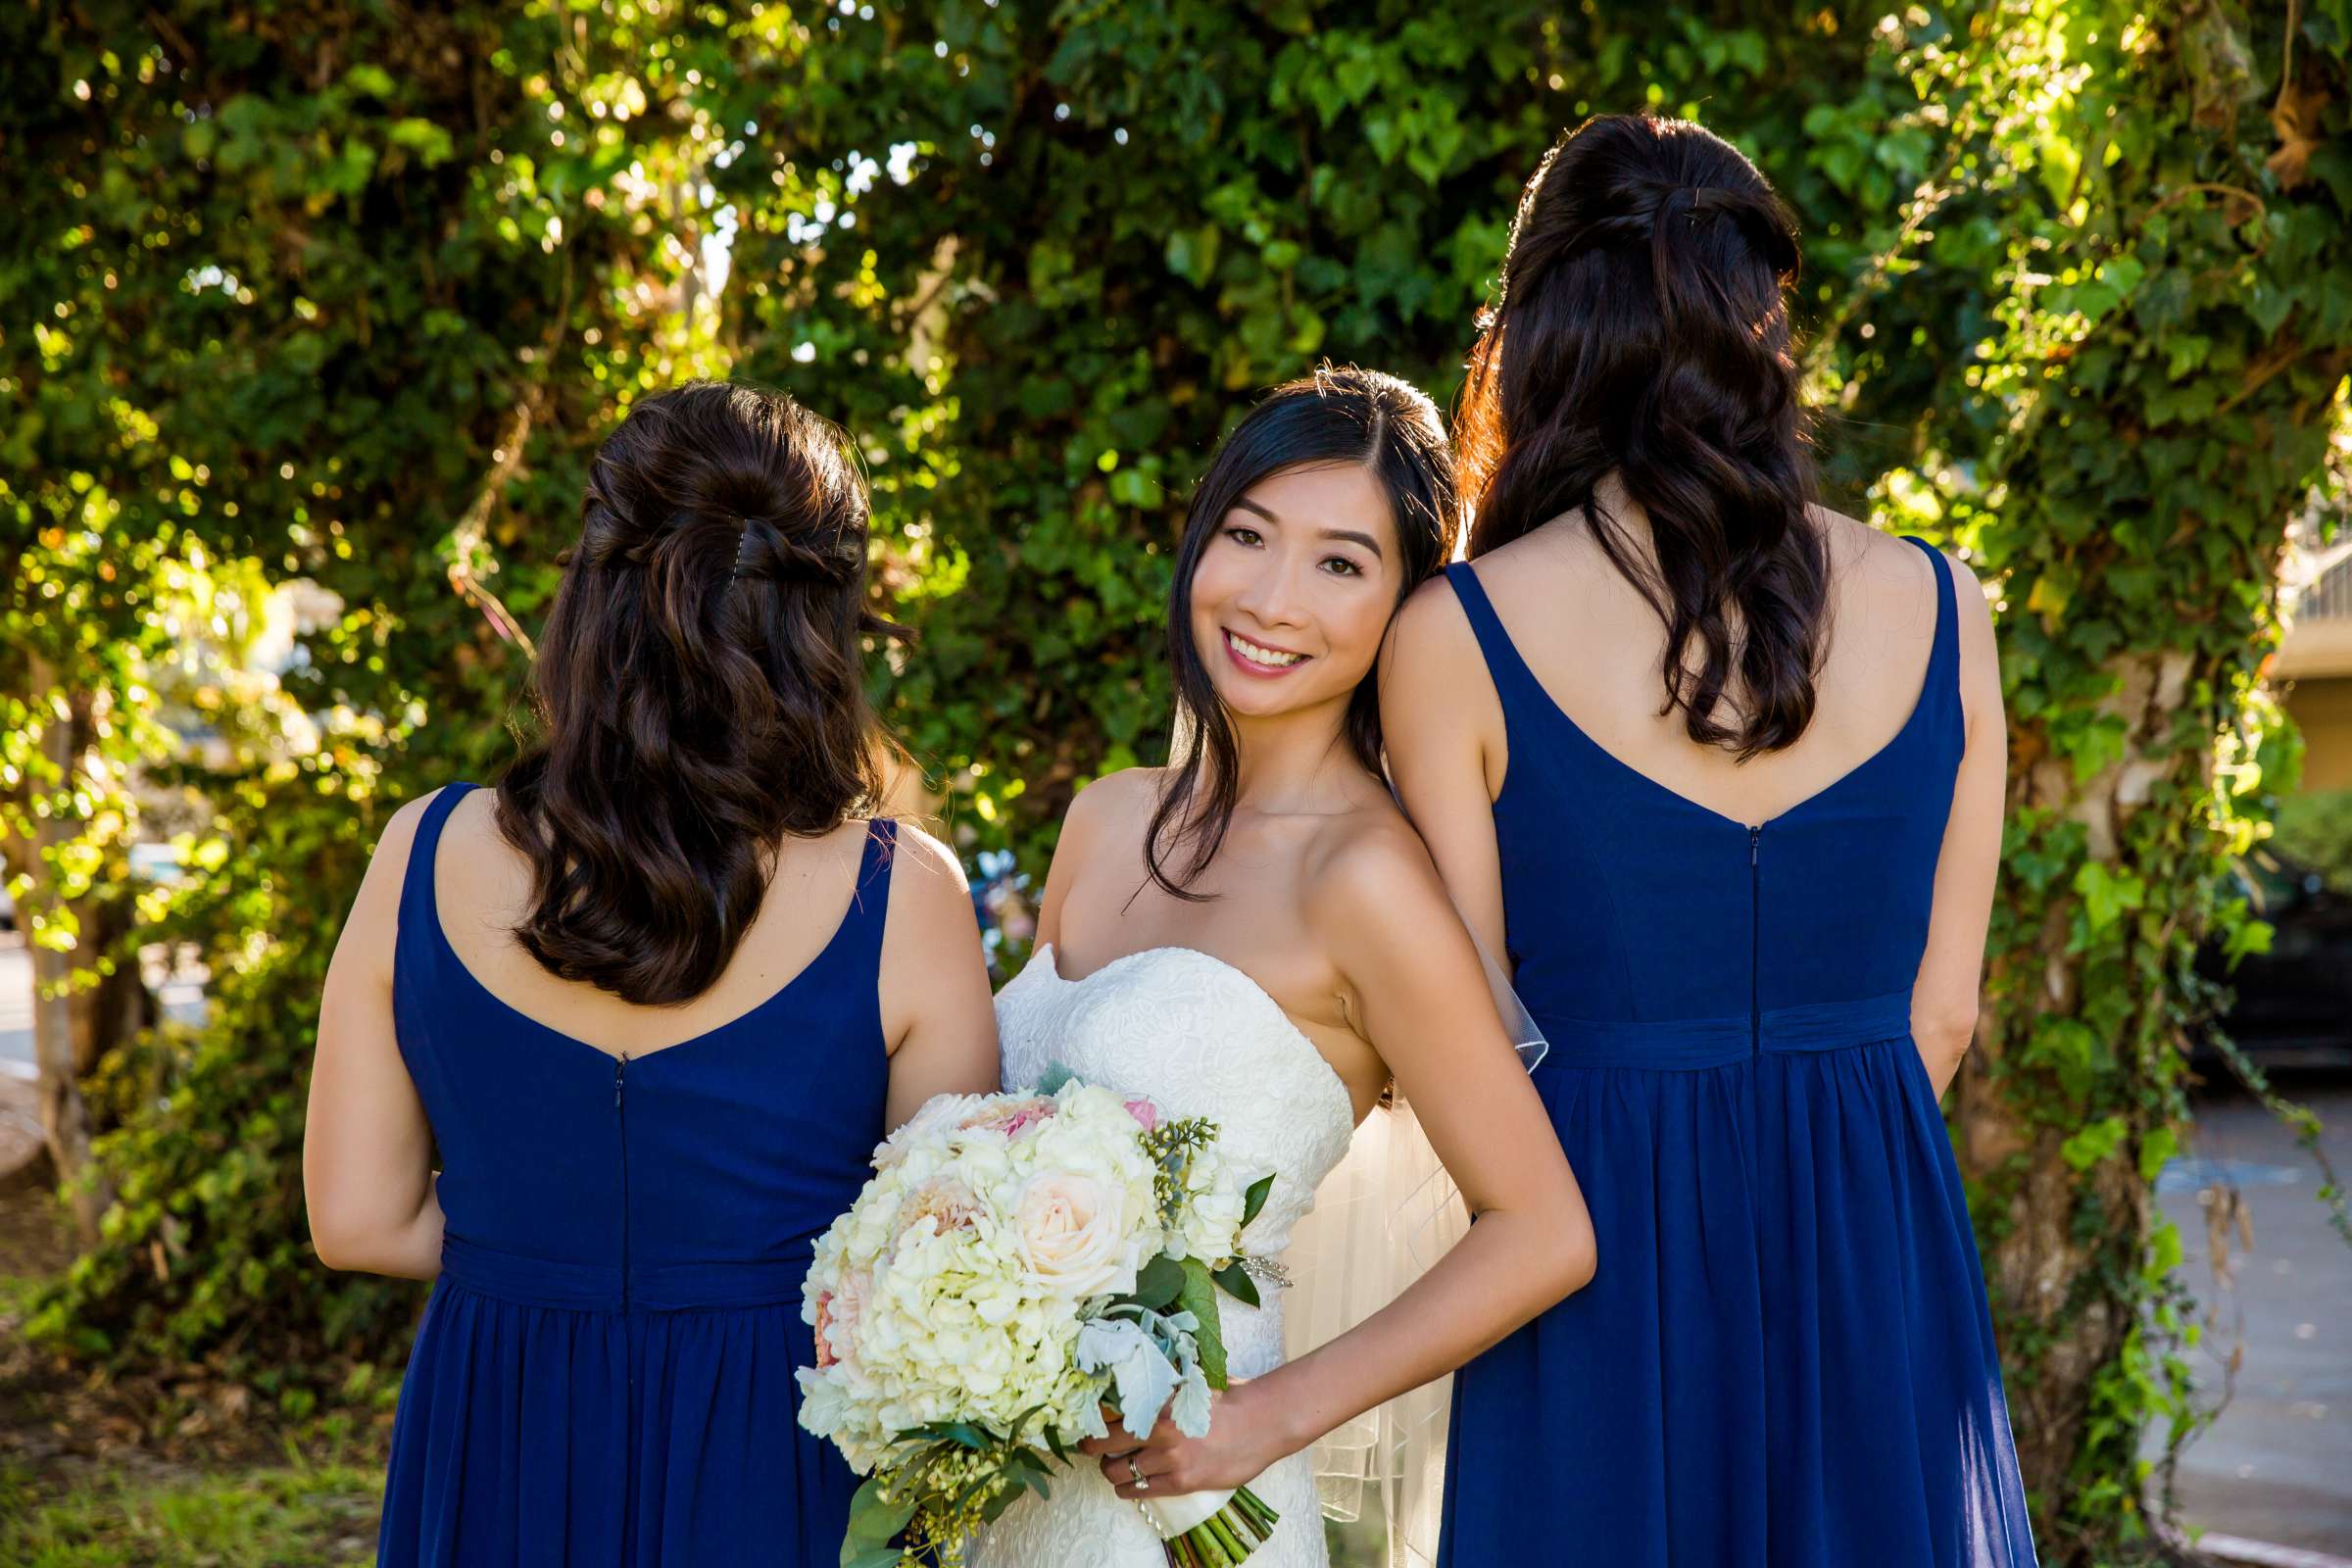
(1640, 328)
(699, 694)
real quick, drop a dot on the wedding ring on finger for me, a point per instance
(1135, 1477)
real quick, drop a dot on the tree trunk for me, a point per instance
(2053, 1271)
(65, 1117)
(119, 1005)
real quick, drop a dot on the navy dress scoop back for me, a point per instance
(1786, 1356)
(604, 1372)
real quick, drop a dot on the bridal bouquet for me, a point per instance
(1016, 1263)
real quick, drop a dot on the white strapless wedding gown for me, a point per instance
(1201, 1038)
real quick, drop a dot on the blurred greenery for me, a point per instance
(309, 314)
(2314, 827)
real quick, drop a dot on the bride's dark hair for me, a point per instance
(1640, 328)
(699, 690)
(1338, 415)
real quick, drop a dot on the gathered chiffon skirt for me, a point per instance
(551, 1435)
(1786, 1356)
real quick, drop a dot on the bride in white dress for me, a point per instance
(1255, 935)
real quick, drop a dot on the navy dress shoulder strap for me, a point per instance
(869, 900)
(1940, 688)
(417, 943)
(1515, 685)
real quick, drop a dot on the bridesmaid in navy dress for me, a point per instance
(647, 1006)
(1722, 771)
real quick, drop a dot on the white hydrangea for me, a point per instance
(956, 1286)
(1209, 1222)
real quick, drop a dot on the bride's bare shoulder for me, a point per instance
(1369, 864)
(1104, 822)
(1115, 803)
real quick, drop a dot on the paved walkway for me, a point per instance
(16, 1008)
(2276, 1466)
(181, 999)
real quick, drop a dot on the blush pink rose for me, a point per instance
(1071, 1237)
(1014, 1116)
(944, 1201)
(837, 1309)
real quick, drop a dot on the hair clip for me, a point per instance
(743, 549)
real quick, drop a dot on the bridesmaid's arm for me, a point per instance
(1944, 999)
(1420, 996)
(937, 1017)
(366, 1149)
(1443, 728)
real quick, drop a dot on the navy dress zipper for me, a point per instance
(620, 1068)
(1755, 922)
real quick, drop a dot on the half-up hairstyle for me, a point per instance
(1640, 328)
(1340, 414)
(699, 691)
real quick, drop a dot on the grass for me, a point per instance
(230, 1501)
(300, 1517)
(310, 1516)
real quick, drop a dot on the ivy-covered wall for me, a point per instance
(309, 291)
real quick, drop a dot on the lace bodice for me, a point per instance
(1202, 1038)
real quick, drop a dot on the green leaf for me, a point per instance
(874, 1519)
(2094, 1143)
(1236, 1282)
(429, 141)
(966, 1435)
(2268, 304)
(2107, 893)
(2184, 352)
(1158, 1284)
(1199, 1298)
(2247, 937)
(1132, 487)
(1191, 253)
(1255, 1200)
(994, 1508)
(2094, 299)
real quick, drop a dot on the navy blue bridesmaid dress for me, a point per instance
(1785, 1358)
(604, 1373)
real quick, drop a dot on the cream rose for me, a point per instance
(1072, 1235)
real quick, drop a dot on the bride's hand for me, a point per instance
(1245, 1437)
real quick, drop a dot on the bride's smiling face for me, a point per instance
(1294, 591)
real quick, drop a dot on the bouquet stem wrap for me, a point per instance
(1173, 1516)
(1209, 1529)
